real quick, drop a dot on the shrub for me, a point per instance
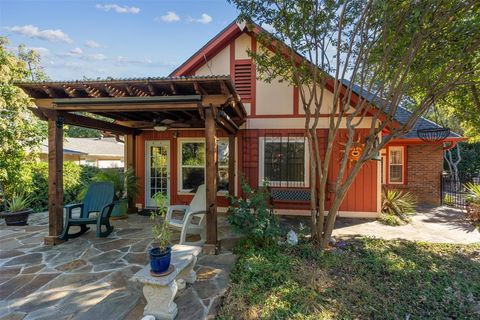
(397, 205)
(473, 202)
(75, 176)
(448, 200)
(252, 216)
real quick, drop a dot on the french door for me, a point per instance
(157, 170)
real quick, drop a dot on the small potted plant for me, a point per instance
(160, 254)
(17, 210)
(125, 185)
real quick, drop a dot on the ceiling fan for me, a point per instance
(164, 124)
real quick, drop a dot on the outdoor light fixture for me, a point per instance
(160, 128)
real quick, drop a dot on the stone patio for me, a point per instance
(87, 277)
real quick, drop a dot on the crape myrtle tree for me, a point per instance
(378, 46)
(20, 131)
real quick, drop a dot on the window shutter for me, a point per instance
(243, 79)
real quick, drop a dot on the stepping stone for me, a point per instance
(37, 282)
(73, 281)
(14, 284)
(33, 269)
(109, 256)
(205, 273)
(30, 259)
(206, 289)
(8, 273)
(189, 305)
(115, 306)
(136, 258)
(4, 254)
(75, 264)
(115, 244)
(14, 316)
(109, 266)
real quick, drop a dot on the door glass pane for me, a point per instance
(158, 170)
(222, 153)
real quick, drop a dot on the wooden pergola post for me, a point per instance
(129, 162)
(55, 178)
(231, 165)
(211, 246)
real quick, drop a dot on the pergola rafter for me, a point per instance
(134, 105)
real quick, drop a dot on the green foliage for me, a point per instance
(473, 192)
(19, 129)
(18, 202)
(125, 183)
(448, 199)
(396, 206)
(252, 216)
(470, 163)
(366, 279)
(75, 177)
(160, 230)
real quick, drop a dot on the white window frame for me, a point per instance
(180, 142)
(402, 164)
(383, 154)
(261, 159)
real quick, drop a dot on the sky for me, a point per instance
(99, 39)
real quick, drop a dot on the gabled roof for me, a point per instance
(233, 30)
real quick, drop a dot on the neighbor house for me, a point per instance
(258, 126)
(103, 152)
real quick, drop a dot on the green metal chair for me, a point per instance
(99, 199)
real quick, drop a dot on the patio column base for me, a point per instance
(211, 249)
(52, 240)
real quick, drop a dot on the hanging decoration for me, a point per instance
(356, 150)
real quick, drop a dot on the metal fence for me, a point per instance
(454, 192)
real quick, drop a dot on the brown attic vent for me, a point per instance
(243, 79)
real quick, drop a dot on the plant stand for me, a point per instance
(160, 291)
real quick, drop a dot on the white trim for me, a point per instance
(148, 145)
(180, 142)
(261, 159)
(402, 158)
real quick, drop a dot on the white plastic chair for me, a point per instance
(196, 208)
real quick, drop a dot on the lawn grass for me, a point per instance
(365, 279)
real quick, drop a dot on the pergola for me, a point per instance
(127, 107)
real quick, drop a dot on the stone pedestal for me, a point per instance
(160, 291)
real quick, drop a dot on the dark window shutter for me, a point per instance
(243, 79)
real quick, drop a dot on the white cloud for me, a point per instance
(126, 60)
(43, 52)
(76, 51)
(117, 8)
(98, 56)
(205, 18)
(47, 34)
(92, 44)
(171, 16)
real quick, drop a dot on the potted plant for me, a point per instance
(125, 185)
(160, 254)
(17, 210)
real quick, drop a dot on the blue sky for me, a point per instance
(80, 38)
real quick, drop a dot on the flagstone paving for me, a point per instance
(88, 277)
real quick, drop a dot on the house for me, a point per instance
(212, 121)
(104, 152)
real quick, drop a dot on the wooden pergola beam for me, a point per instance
(86, 122)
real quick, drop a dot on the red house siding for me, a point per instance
(362, 196)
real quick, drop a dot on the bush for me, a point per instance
(473, 202)
(397, 205)
(252, 216)
(75, 177)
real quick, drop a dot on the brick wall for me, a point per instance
(425, 165)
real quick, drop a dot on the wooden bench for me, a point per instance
(160, 291)
(290, 198)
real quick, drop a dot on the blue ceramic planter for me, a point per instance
(160, 260)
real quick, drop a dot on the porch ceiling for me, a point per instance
(142, 103)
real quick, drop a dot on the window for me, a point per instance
(192, 163)
(396, 165)
(283, 161)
